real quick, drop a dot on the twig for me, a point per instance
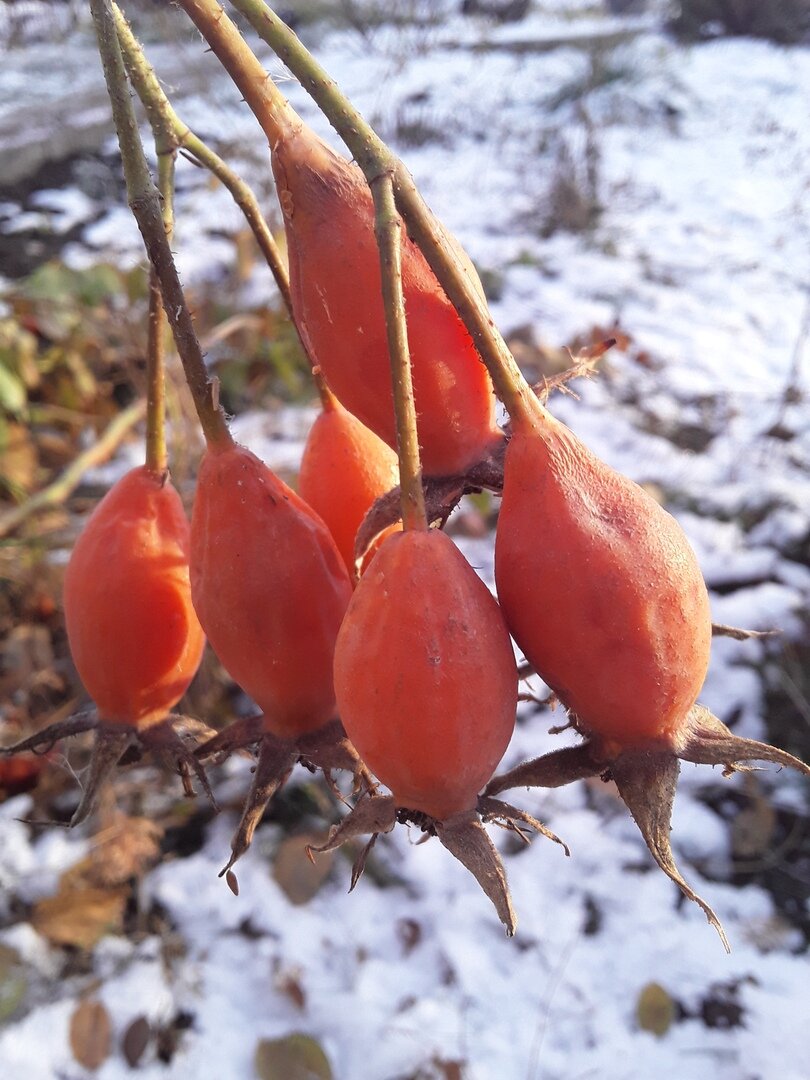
(156, 453)
(372, 155)
(163, 118)
(59, 491)
(145, 205)
(388, 229)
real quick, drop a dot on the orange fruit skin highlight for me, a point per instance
(344, 470)
(600, 588)
(269, 587)
(133, 633)
(425, 674)
(335, 284)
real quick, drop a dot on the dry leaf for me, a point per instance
(297, 875)
(90, 1034)
(79, 917)
(655, 1009)
(124, 850)
(135, 1041)
(295, 1057)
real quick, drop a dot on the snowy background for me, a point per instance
(598, 172)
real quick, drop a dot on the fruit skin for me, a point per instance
(600, 588)
(133, 633)
(345, 468)
(337, 301)
(269, 587)
(425, 674)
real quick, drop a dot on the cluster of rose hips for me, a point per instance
(396, 663)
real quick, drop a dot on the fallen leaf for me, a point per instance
(655, 1009)
(90, 1034)
(124, 850)
(295, 1057)
(79, 917)
(135, 1041)
(296, 874)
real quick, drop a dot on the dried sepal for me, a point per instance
(44, 741)
(466, 838)
(647, 781)
(371, 814)
(709, 742)
(556, 769)
(497, 812)
(329, 749)
(168, 745)
(238, 735)
(273, 766)
(110, 746)
(738, 634)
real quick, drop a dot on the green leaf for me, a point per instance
(13, 395)
(294, 1057)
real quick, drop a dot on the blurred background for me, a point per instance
(630, 168)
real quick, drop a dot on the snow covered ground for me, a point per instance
(701, 252)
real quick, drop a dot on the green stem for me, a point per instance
(145, 205)
(163, 118)
(388, 229)
(375, 159)
(157, 457)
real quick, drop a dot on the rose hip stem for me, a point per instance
(144, 202)
(277, 117)
(374, 158)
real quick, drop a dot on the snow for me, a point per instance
(702, 253)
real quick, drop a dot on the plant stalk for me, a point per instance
(164, 118)
(145, 205)
(277, 118)
(388, 230)
(375, 159)
(157, 457)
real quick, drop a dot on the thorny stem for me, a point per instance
(145, 205)
(277, 118)
(388, 229)
(375, 160)
(156, 454)
(163, 117)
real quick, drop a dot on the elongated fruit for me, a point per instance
(270, 588)
(344, 469)
(600, 588)
(425, 675)
(133, 633)
(337, 300)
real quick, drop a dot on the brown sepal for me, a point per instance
(44, 741)
(273, 766)
(329, 749)
(722, 630)
(647, 780)
(238, 735)
(552, 770)
(466, 838)
(710, 742)
(372, 814)
(167, 743)
(110, 746)
(511, 818)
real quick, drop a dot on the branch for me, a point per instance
(145, 204)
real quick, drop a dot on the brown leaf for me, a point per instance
(295, 1057)
(123, 851)
(90, 1034)
(296, 874)
(79, 917)
(655, 1009)
(135, 1041)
